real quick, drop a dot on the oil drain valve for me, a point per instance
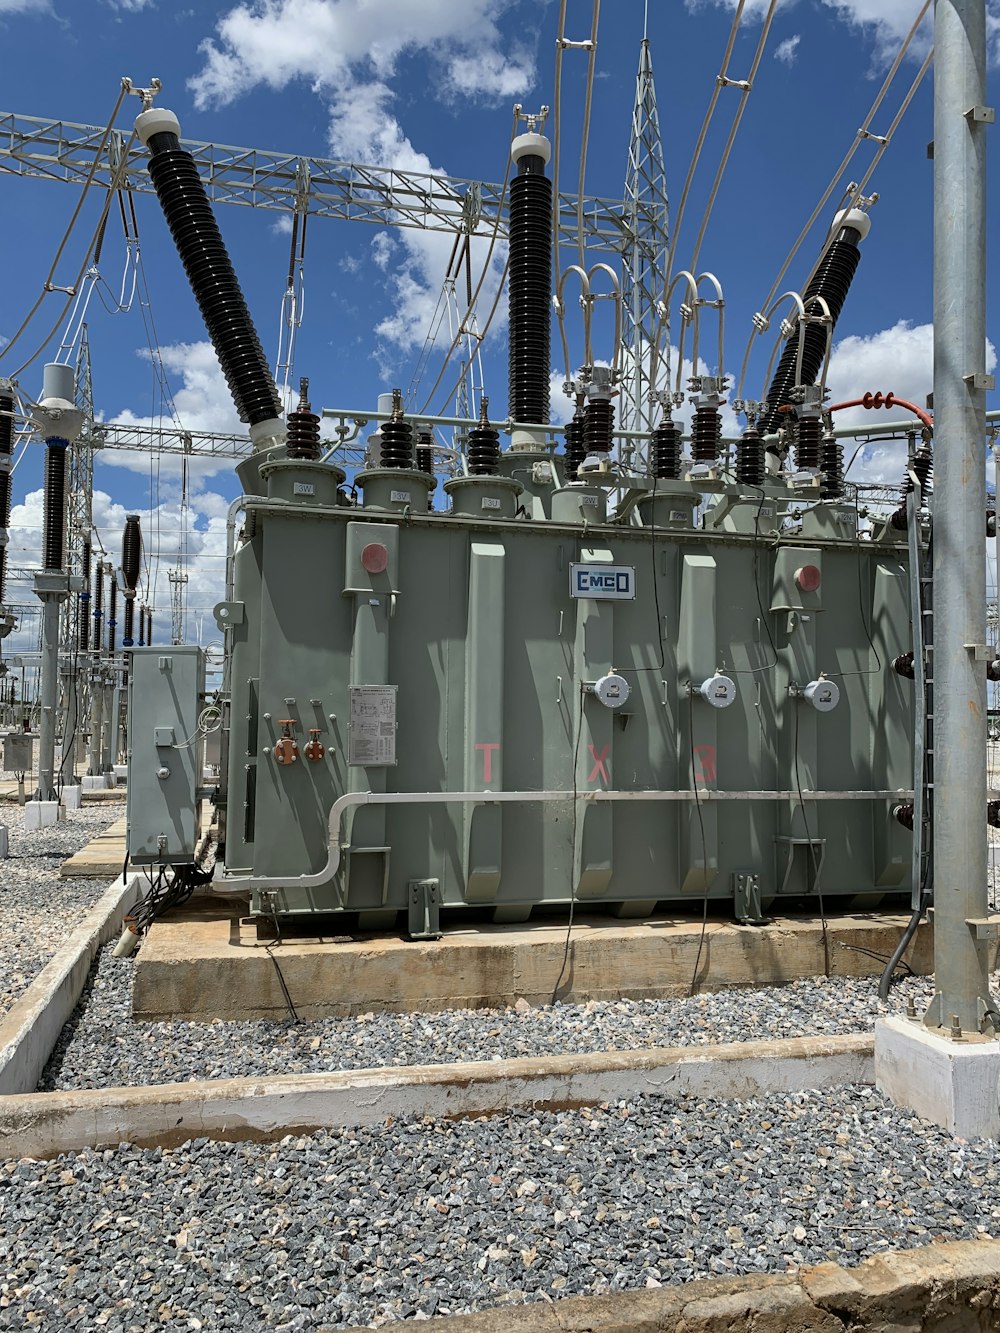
(286, 749)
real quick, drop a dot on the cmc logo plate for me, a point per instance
(611, 582)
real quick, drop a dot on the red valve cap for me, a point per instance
(807, 578)
(375, 557)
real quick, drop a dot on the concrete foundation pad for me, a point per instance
(950, 1083)
(121, 774)
(40, 814)
(43, 1124)
(207, 963)
(94, 782)
(72, 796)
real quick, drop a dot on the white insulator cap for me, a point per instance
(611, 690)
(272, 429)
(852, 217)
(157, 120)
(823, 695)
(718, 690)
(530, 145)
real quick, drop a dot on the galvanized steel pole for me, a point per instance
(961, 966)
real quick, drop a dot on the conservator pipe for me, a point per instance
(356, 798)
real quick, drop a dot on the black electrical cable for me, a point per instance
(704, 849)
(887, 977)
(812, 848)
(572, 853)
(293, 1012)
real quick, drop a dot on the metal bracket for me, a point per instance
(984, 927)
(981, 652)
(746, 899)
(982, 115)
(980, 380)
(424, 904)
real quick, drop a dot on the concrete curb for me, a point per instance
(44, 1124)
(955, 1285)
(30, 1029)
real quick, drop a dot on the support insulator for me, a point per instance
(598, 427)
(831, 281)
(529, 289)
(903, 665)
(303, 428)
(210, 272)
(54, 519)
(142, 626)
(99, 603)
(706, 435)
(576, 450)
(903, 814)
(922, 467)
(809, 444)
(665, 451)
(750, 469)
(832, 463)
(397, 436)
(424, 452)
(149, 625)
(112, 616)
(483, 452)
(127, 640)
(83, 626)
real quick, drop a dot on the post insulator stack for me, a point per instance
(99, 604)
(665, 451)
(831, 282)
(149, 625)
(750, 470)
(832, 462)
(302, 441)
(6, 448)
(529, 283)
(83, 626)
(131, 561)
(598, 427)
(209, 270)
(483, 451)
(397, 436)
(112, 616)
(576, 449)
(809, 444)
(54, 515)
(424, 452)
(706, 435)
(922, 465)
(142, 626)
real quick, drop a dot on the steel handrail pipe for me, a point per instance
(319, 878)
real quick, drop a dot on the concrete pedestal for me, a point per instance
(4, 850)
(72, 796)
(40, 814)
(950, 1083)
(121, 774)
(94, 782)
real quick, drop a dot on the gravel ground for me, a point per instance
(37, 908)
(101, 1046)
(414, 1218)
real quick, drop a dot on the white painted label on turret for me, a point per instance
(611, 582)
(372, 734)
(303, 488)
(490, 503)
(399, 497)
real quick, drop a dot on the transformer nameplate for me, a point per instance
(612, 582)
(372, 734)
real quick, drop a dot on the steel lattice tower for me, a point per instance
(644, 257)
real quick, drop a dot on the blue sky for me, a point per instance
(428, 85)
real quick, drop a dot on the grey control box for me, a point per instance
(165, 697)
(17, 752)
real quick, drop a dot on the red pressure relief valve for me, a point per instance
(808, 578)
(315, 749)
(286, 749)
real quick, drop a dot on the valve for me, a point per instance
(314, 748)
(286, 748)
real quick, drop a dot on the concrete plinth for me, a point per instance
(206, 962)
(72, 796)
(950, 1083)
(121, 774)
(40, 814)
(94, 782)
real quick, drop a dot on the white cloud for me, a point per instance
(898, 359)
(24, 6)
(282, 225)
(786, 51)
(382, 247)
